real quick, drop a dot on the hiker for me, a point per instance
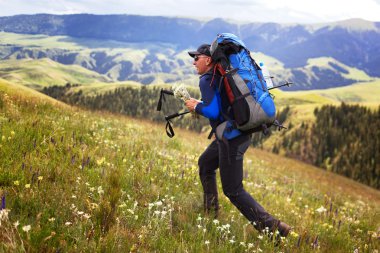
(228, 158)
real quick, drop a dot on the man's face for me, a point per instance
(202, 63)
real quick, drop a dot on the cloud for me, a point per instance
(280, 11)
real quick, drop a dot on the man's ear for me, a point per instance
(208, 61)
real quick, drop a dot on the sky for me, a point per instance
(279, 11)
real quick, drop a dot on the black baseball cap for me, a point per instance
(202, 49)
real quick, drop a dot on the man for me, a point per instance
(228, 158)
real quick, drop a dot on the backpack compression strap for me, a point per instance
(227, 86)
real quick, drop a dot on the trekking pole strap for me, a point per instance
(162, 97)
(169, 129)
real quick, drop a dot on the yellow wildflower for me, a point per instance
(294, 234)
(101, 161)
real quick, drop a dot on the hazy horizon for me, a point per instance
(278, 11)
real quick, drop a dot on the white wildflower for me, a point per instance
(100, 190)
(26, 228)
(4, 214)
(322, 209)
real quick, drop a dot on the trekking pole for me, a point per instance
(281, 85)
(169, 117)
(169, 128)
(162, 97)
(179, 92)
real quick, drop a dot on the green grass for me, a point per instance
(87, 181)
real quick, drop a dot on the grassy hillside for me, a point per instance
(73, 180)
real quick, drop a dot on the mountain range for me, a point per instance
(153, 49)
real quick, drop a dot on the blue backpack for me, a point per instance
(251, 103)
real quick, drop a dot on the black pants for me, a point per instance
(231, 174)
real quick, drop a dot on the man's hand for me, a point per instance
(191, 103)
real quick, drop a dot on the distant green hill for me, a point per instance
(361, 92)
(326, 72)
(353, 42)
(45, 72)
(155, 63)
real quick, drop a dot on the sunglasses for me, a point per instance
(196, 57)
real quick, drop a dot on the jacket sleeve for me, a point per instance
(209, 107)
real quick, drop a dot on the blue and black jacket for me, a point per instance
(215, 104)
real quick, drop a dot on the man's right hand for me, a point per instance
(191, 103)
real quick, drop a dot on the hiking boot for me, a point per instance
(283, 231)
(283, 228)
